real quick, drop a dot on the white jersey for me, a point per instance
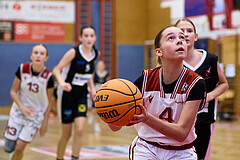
(33, 94)
(166, 106)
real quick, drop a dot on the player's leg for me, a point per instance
(141, 150)
(203, 132)
(186, 154)
(9, 145)
(65, 105)
(26, 136)
(77, 137)
(12, 133)
(63, 141)
(210, 142)
(18, 153)
(80, 114)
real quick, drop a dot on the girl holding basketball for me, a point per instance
(77, 67)
(31, 92)
(206, 65)
(172, 96)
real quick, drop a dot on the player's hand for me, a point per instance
(66, 86)
(137, 118)
(30, 113)
(95, 96)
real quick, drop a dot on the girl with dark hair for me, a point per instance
(172, 96)
(74, 74)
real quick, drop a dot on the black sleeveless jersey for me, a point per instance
(207, 68)
(80, 69)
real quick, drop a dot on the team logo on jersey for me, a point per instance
(45, 75)
(208, 71)
(87, 68)
(150, 98)
(184, 86)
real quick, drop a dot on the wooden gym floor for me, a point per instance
(225, 143)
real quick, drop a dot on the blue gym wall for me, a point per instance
(130, 61)
(130, 58)
(13, 54)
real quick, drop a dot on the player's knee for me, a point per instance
(9, 146)
(79, 131)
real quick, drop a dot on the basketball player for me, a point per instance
(172, 96)
(77, 67)
(31, 92)
(206, 65)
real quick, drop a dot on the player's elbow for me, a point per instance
(181, 136)
(114, 128)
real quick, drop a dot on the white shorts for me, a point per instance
(16, 131)
(141, 150)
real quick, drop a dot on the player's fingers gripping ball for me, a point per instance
(117, 101)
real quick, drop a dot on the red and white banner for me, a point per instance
(39, 32)
(40, 11)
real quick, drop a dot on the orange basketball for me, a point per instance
(117, 101)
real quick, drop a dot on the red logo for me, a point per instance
(208, 71)
(17, 6)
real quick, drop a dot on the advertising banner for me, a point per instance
(40, 11)
(39, 32)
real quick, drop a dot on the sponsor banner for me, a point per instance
(41, 11)
(39, 32)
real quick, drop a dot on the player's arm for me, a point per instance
(114, 128)
(28, 112)
(180, 130)
(67, 58)
(14, 92)
(91, 86)
(43, 128)
(221, 87)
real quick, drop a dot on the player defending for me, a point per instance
(206, 65)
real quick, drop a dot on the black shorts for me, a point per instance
(74, 104)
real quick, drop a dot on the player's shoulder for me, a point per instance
(152, 71)
(25, 67)
(46, 73)
(191, 74)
